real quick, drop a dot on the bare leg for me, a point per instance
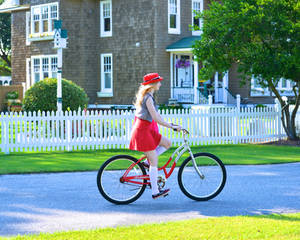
(163, 146)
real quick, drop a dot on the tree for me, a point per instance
(5, 42)
(262, 37)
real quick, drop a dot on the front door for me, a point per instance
(183, 81)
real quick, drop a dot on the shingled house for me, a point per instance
(113, 43)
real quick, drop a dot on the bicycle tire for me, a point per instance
(192, 185)
(107, 188)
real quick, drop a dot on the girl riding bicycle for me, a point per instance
(145, 135)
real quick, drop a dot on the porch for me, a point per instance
(186, 87)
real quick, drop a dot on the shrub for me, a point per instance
(42, 96)
(169, 107)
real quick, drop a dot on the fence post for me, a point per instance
(278, 109)
(68, 116)
(5, 133)
(237, 129)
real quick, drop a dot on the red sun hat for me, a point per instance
(151, 78)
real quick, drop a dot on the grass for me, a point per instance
(275, 226)
(92, 159)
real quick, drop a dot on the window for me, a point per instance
(105, 19)
(43, 67)
(196, 8)
(106, 76)
(42, 20)
(174, 16)
(256, 88)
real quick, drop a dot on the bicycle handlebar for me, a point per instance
(182, 130)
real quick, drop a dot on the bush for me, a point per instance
(42, 96)
(169, 107)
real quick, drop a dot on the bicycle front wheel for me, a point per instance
(209, 183)
(111, 184)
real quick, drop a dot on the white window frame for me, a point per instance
(197, 33)
(177, 29)
(51, 74)
(258, 91)
(41, 35)
(285, 91)
(106, 92)
(102, 22)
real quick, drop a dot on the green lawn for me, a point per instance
(285, 226)
(92, 159)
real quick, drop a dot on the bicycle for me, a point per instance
(201, 176)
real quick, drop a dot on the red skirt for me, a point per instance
(145, 136)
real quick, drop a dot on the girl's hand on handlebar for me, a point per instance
(176, 128)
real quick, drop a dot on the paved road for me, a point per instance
(64, 201)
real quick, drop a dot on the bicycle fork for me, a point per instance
(201, 175)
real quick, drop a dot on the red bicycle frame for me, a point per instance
(133, 179)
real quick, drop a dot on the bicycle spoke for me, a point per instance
(210, 185)
(113, 184)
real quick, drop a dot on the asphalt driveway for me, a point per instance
(36, 203)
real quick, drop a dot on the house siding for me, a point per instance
(244, 90)
(133, 21)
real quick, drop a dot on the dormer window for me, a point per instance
(174, 16)
(105, 19)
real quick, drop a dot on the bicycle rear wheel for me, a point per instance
(111, 185)
(210, 184)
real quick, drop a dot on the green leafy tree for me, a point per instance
(262, 37)
(5, 42)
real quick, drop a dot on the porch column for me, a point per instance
(171, 74)
(225, 85)
(196, 97)
(216, 87)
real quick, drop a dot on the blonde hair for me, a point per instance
(142, 91)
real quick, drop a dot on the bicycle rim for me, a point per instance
(110, 185)
(208, 187)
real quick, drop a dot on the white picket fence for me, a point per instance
(52, 131)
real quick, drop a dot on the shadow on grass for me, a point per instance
(291, 217)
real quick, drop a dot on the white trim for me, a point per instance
(187, 50)
(41, 35)
(258, 91)
(216, 82)
(13, 9)
(225, 85)
(106, 92)
(196, 70)
(40, 57)
(178, 22)
(102, 32)
(171, 74)
(197, 33)
(28, 73)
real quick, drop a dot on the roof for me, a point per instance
(9, 6)
(184, 44)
